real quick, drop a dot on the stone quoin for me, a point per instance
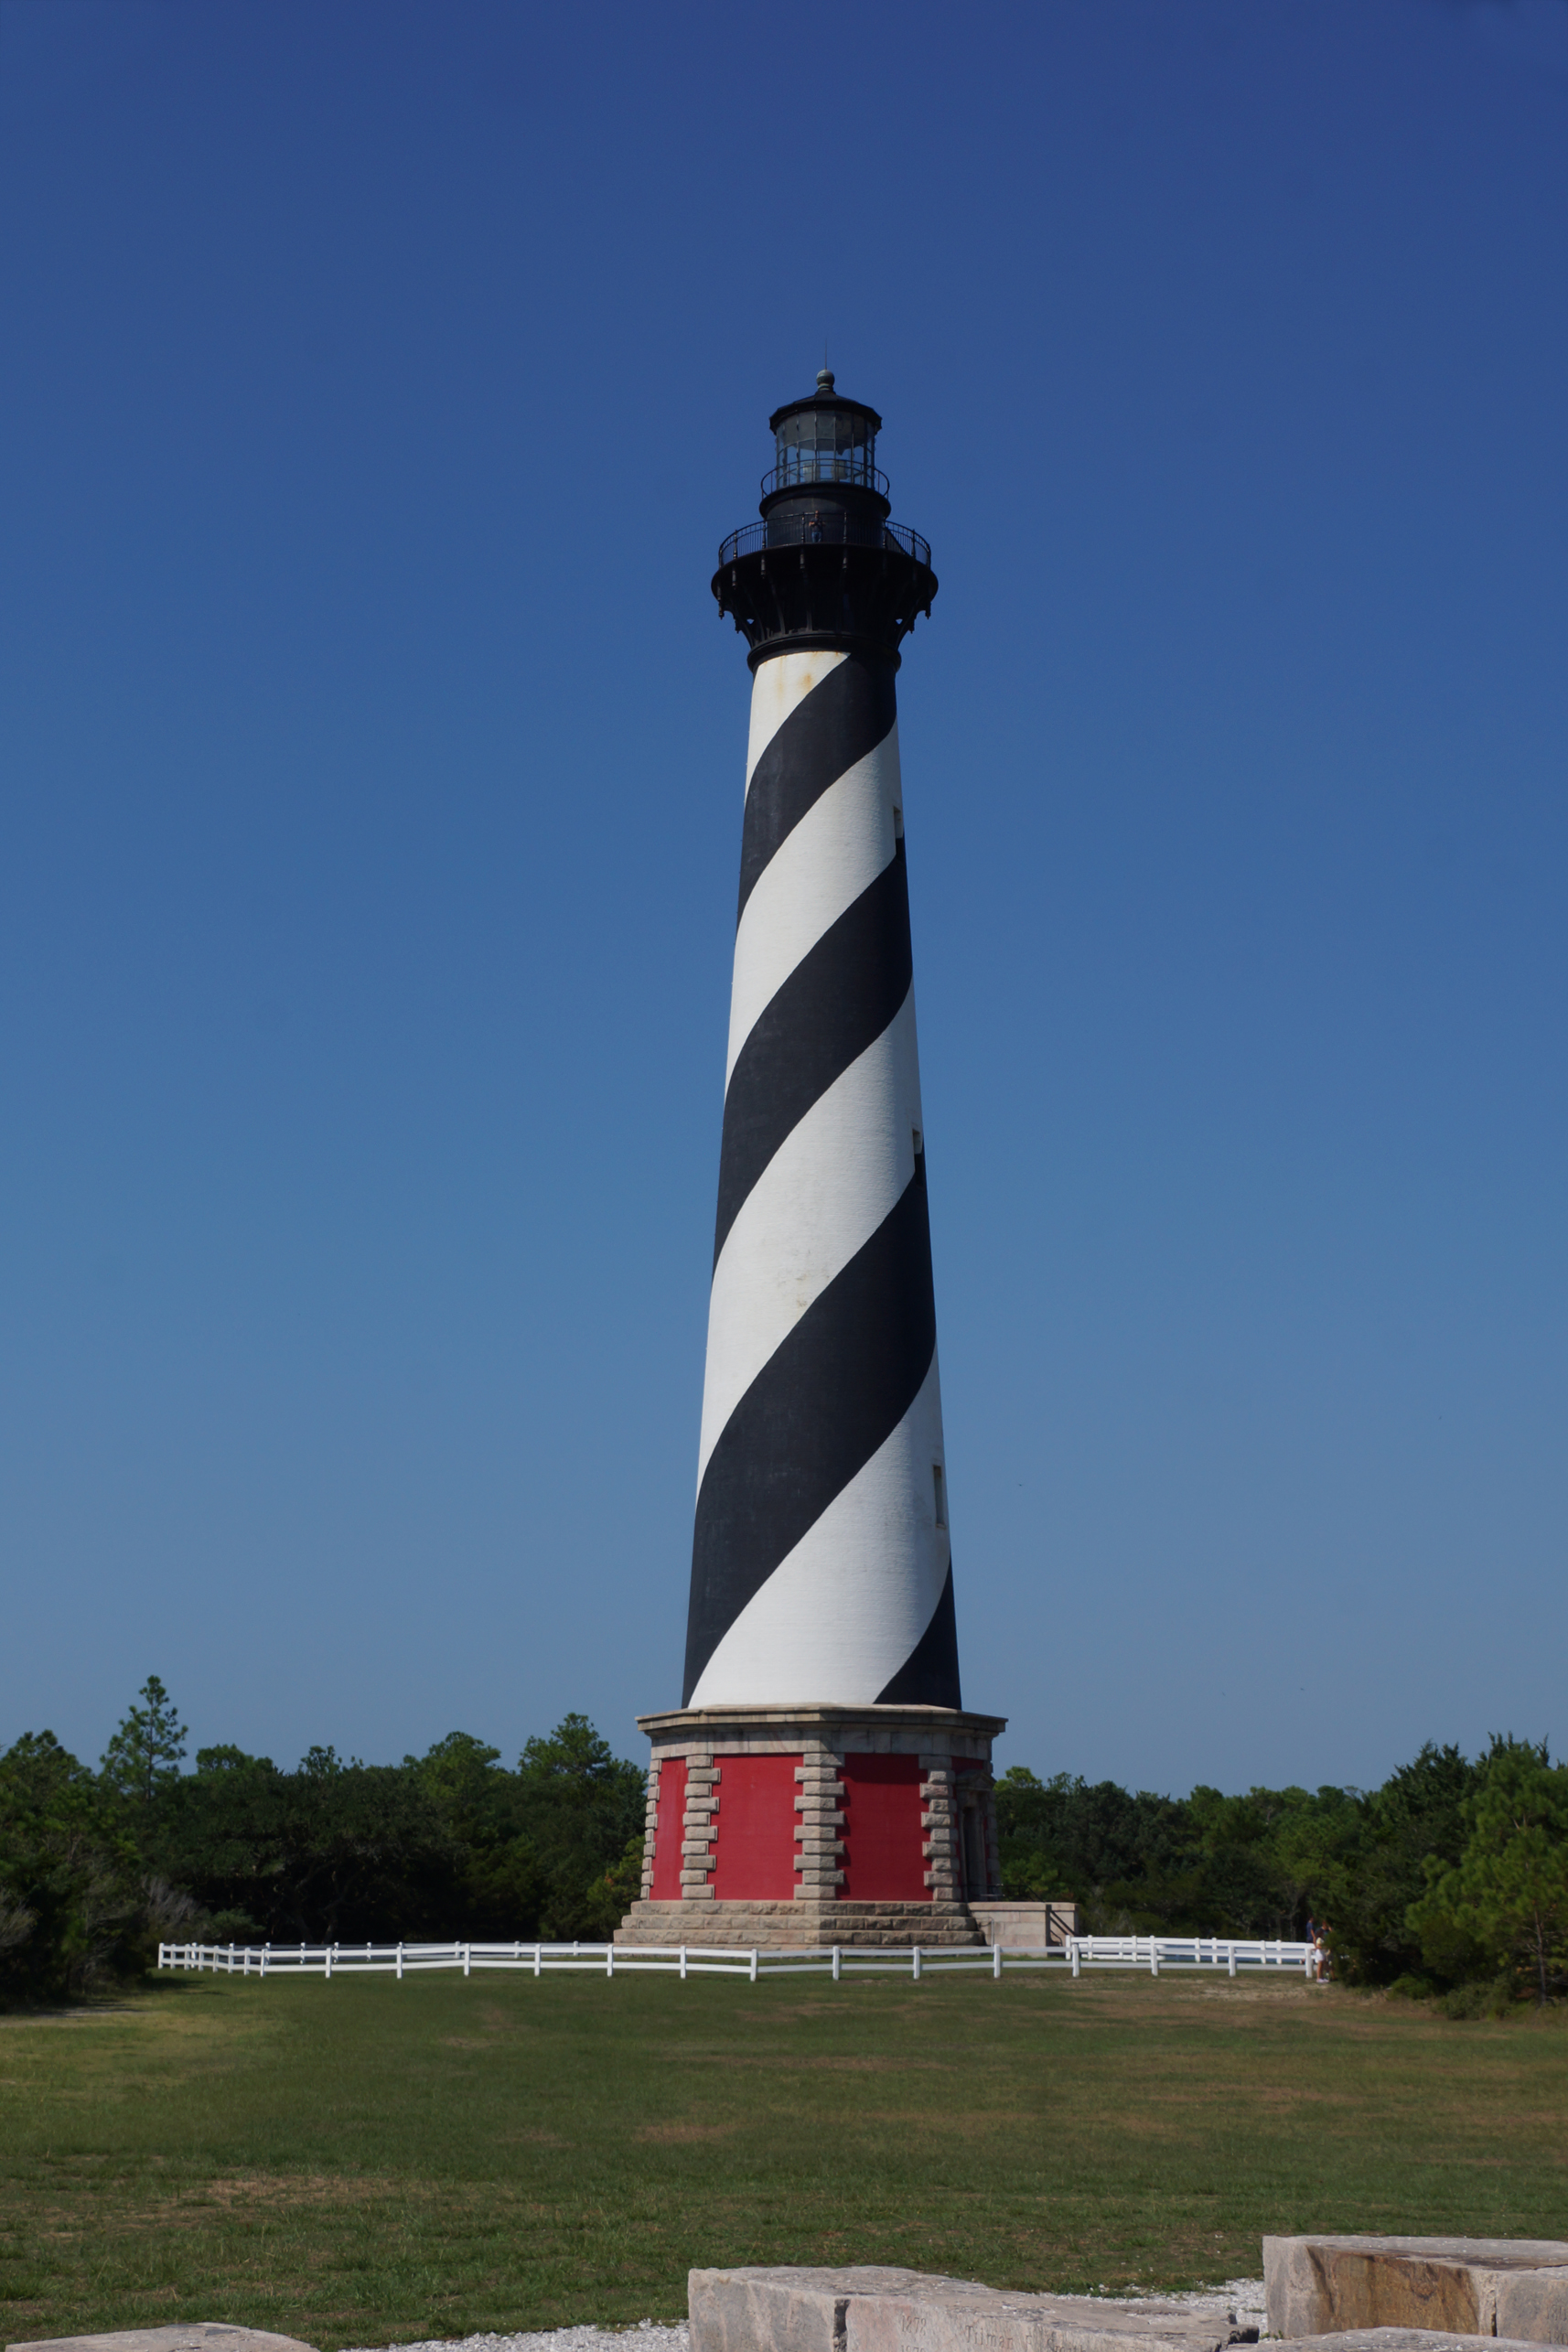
(821, 1782)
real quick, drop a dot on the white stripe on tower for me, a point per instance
(813, 1631)
(826, 1190)
(820, 1563)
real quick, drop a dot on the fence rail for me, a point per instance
(1213, 1955)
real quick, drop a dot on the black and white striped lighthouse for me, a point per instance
(821, 1779)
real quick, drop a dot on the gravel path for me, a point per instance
(1242, 2299)
(643, 2335)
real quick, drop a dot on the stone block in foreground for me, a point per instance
(1404, 2339)
(200, 2336)
(1460, 2286)
(872, 2309)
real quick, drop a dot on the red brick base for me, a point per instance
(861, 1824)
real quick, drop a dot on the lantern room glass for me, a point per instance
(825, 445)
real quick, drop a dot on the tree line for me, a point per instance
(1450, 1880)
(98, 1867)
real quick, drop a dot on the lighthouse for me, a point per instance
(820, 1782)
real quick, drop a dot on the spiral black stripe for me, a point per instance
(929, 1676)
(838, 722)
(837, 1001)
(821, 1407)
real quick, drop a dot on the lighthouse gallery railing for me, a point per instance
(829, 528)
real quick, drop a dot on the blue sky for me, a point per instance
(379, 381)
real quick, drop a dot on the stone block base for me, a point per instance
(1028, 1925)
(801, 1925)
(1471, 2286)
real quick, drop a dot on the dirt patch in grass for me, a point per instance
(953, 2122)
(754, 2062)
(685, 2132)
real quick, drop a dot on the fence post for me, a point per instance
(467, 1954)
(915, 1963)
(1154, 1956)
(835, 1964)
(1075, 1956)
(996, 1963)
(1230, 1956)
(683, 1963)
(329, 1970)
(399, 1963)
(538, 1958)
(609, 1959)
(754, 1963)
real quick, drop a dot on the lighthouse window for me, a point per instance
(938, 1484)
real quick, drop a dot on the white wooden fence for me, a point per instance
(1213, 1955)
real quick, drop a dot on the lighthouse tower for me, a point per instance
(820, 1782)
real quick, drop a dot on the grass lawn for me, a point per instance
(364, 2161)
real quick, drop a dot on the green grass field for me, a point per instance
(364, 2161)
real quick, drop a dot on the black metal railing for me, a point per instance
(798, 468)
(831, 528)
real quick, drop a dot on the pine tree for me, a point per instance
(145, 1754)
(1509, 1890)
